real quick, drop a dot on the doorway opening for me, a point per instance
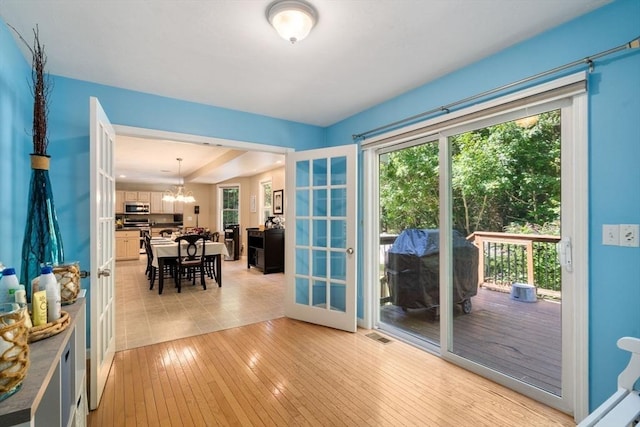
(163, 317)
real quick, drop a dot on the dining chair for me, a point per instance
(149, 252)
(210, 260)
(152, 272)
(191, 259)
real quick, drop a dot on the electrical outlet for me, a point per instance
(629, 235)
(610, 234)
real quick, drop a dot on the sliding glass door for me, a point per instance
(505, 193)
(477, 223)
(409, 204)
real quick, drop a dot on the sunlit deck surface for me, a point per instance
(519, 339)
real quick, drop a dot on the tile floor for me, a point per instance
(143, 317)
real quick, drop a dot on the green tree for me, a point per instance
(409, 195)
(502, 174)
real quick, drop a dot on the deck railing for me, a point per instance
(505, 258)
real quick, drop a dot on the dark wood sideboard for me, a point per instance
(266, 249)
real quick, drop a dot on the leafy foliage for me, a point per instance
(503, 174)
(505, 177)
(409, 194)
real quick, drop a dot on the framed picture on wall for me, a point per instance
(278, 202)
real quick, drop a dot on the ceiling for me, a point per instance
(224, 53)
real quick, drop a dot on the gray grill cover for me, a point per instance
(413, 269)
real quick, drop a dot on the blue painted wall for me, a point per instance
(614, 150)
(15, 145)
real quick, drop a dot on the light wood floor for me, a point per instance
(284, 372)
(279, 371)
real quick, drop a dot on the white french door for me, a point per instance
(102, 198)
(321, 237)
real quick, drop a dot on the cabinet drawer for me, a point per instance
(256, 233)
(126, 234)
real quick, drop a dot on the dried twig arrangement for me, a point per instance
(41, 88)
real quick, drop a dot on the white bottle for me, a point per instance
(8, 285)
(21, 298)
(50, 284)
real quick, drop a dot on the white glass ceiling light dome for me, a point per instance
(292, 19)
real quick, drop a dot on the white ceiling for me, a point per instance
(224, 53)
(153, 161)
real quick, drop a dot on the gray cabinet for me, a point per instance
(53, 392)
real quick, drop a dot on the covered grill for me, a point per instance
(413, 270)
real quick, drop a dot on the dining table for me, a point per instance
(165, 249)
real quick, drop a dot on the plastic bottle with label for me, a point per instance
(49, 283)
(21, 298)
(8, 285)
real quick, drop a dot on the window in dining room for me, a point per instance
(230, 205)
(265, 199)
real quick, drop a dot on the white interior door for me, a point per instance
(321, 237)
(102, 198)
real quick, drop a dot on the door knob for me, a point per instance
(350, 251)
(104, 273)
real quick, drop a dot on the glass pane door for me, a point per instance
(322, 189)
(506, 290)
(409, 241)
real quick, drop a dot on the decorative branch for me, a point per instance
(41, 89)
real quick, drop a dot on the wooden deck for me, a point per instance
(519, 339)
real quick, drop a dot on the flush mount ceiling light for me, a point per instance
(292, 19)
(180, 194)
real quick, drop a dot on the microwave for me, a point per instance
(136, 208)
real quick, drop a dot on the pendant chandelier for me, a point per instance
(180, 194)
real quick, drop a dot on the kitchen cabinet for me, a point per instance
(120, 201)
(137, 196)
(156, 202)
(130, 196)
(266, 249)
(53, 393)
(127, 244)
(167, 207)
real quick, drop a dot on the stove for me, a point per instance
(141, 224)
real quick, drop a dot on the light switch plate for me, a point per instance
(610, 234)
(629, 235)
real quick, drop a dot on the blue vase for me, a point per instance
(42, 240)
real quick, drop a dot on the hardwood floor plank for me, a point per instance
(286, 372)
(314, 375)
(281, 390)
(153, 386)
(248, 385)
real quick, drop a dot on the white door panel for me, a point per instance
(321, 237)
(102, 198)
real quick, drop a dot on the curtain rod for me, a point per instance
(633, 44)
